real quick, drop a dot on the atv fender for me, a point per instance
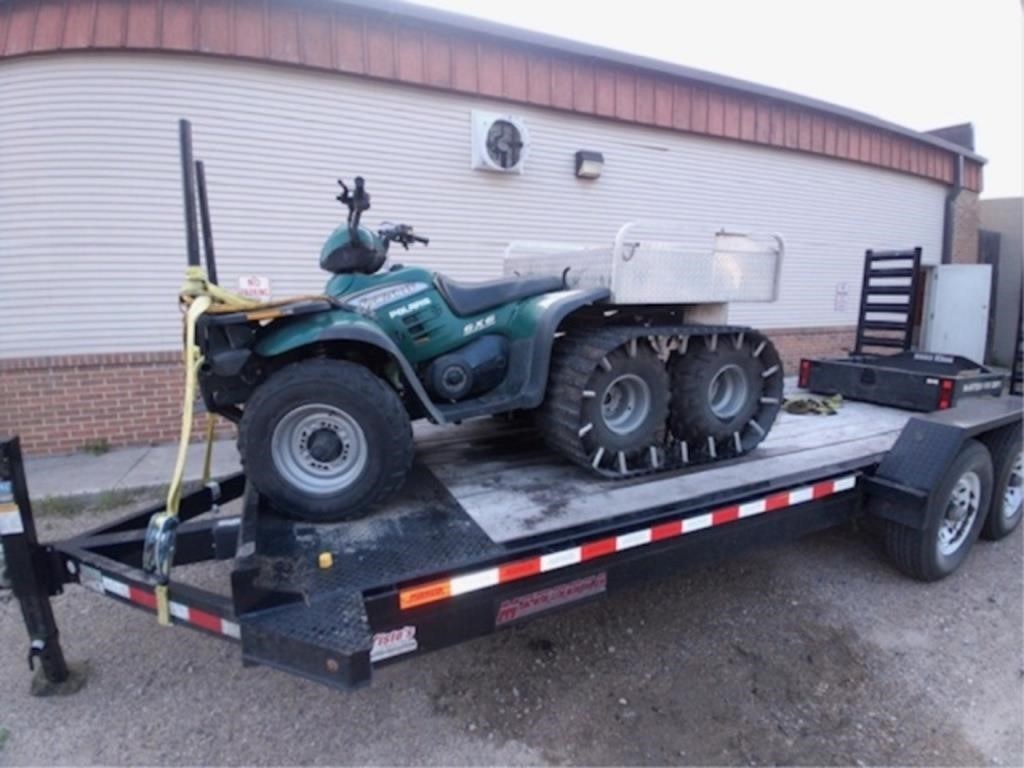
(537, 322)
(342, 325)
(551, 310)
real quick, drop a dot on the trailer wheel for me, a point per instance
(1008, 496)
(953, 519)
(324, 440)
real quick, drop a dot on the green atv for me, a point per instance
(324, 390)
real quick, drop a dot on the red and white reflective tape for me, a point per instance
(186, 614)
(442, 589)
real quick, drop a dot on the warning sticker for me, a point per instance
(10, 520)
(393, 643)
(255, 287)
(548, 599)
(91, 578)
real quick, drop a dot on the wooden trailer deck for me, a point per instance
(514, 488)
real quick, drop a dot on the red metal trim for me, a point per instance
(319, 35)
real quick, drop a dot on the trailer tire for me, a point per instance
(325, 440)
(953, 519)
(1008, 495)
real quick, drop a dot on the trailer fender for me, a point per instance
(902, 487)
(342, 325)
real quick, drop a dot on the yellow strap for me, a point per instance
(211, 426)
(222, 300)
(193, 359)
(199, 295)
(163, 605)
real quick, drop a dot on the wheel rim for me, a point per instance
(727, 392)
(625, 403)
(1013, 495)
(961, 511)
(319, 449)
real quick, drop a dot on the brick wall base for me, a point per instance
(65, 404)
(819, 342)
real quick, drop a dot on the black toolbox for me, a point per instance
(916, 381)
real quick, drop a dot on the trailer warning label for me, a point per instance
(393, 643)
(547, 599)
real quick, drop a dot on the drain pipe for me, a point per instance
(949, 213)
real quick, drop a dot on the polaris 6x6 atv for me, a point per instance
(324, 389)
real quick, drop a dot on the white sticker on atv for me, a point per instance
(255, 287)
(479, 325)
(409, 308)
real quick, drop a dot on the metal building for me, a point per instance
(286, 96)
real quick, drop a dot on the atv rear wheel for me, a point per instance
(726, 393)
(626, 401)
(605, 382)
(325, 439)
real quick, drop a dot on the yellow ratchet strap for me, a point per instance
(200, 296)
(193, 359)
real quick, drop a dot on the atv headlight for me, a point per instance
(375, 298)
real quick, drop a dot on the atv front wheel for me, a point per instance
(324, 440)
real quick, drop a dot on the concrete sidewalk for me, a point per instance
(122, 469)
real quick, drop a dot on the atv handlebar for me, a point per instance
(402, 234)
(357, 201)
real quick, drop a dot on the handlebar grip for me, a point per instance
(424, 240)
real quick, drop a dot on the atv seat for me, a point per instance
(473, 298)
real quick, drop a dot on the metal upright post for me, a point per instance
(204, 218)
(27, 565)
(188, 192)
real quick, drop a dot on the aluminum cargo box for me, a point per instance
(661, 263)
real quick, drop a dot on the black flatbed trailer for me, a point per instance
(491, 530)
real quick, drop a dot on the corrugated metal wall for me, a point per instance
(91, 243)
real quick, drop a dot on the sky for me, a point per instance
(919, 63)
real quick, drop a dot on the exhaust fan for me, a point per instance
(500, 143)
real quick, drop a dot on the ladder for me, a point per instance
(888, 300)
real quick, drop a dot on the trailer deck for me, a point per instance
(491, 530)
(514, 489)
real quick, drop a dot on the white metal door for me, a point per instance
(956, 309)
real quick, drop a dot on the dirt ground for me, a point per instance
(814, 653)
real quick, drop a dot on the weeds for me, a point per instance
(104, 501)
(96, 447)
(57, 505)
(114, 498)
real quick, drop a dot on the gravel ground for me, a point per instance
(814, 653)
